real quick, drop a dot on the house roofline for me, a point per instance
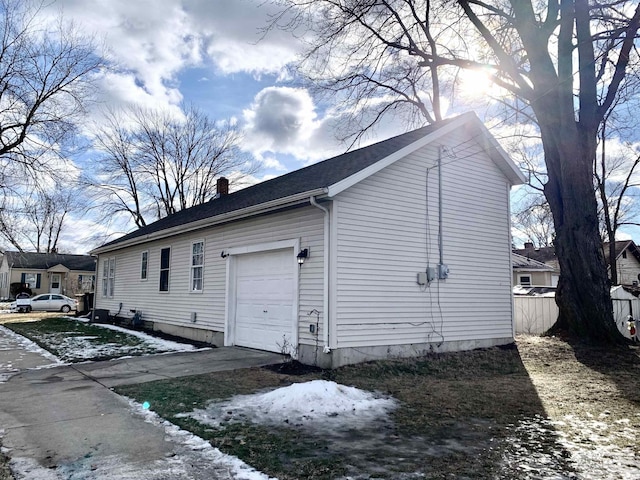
(216, 220)
(503, 161)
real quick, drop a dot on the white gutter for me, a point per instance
(325, 298)
(215, 220)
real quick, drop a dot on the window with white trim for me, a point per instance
(197, 266)
(165, 262)
(86, 283)
(525, 280)
(31, 279)
(108, 276)
(144, 263)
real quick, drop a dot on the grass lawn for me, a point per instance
(75, 341)
(541, 409)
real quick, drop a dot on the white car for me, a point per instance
(48, 302)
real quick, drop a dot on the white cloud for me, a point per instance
(283, 120)
(235, 39)
(152, 41)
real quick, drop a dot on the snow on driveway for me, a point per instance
(320, 404)
(192, 459)
(15, 348)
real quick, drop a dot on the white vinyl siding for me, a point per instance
(628, 269)
(387, 232)
(175, 307)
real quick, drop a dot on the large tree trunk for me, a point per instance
(583, 295)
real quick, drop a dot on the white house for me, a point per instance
(384, 234)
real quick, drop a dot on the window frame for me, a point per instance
(33, 285)
(195, 267)
(108, 277)
(165, 271)
(528, 284)
(144, 265)
(86, 283)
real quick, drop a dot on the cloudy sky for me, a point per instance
(213, 54)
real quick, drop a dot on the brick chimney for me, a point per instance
(222, 187)
(528, 245)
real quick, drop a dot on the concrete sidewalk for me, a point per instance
(64, 422)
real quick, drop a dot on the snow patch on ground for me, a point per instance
(20, 348)
(85, 347)
(151, 341)
(590, 447)
(192, 458)
(235, 467)
(320, 404)
(10, 338)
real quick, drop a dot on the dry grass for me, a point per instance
(548, 409)
(540, 410)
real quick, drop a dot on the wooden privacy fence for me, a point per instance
(535, 315)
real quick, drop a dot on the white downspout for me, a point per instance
(325, 300)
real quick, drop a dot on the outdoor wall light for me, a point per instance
(304, 254)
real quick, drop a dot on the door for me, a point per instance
(264, 301)
(55, 283)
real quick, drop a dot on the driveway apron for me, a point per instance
(65, 422)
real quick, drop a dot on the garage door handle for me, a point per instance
(264, 311)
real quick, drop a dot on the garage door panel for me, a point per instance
(265, 287)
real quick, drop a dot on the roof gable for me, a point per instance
(328, 178)
(620, 247)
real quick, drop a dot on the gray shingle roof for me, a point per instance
(519, 261)
(546, 254)
(44, 261)
(314, 177)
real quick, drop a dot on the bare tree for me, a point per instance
(534, 221)
(46, 79)
(563, 62)
(154, 164)
(34, 221)
(617, 178)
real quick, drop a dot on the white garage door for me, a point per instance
(264, 314)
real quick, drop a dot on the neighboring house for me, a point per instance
(528, 272)
(46, 273)
(338, 262)
(627, 260)
(541, 255)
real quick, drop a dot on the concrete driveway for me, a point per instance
(64, 422)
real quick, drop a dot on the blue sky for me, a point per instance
(210, 53)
